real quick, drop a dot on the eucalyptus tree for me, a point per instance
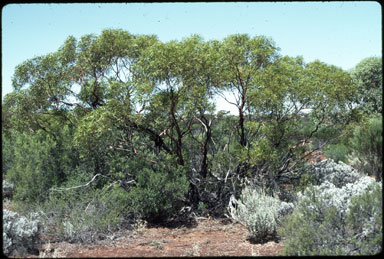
(368, 76)
(132, 106)
(273, 95)
(177, 79)
(276, 105)
(202, 77)
(41, 87)
(178, 84)
(36, 113)
(365, 142)
(105, 72)
(80, 85)
(243, 59)
(293, 102)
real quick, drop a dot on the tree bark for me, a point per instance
(243, 140)
(204, 164)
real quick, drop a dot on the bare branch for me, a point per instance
(75, 187)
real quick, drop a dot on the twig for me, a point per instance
(75, 187)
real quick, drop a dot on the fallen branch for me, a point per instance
(75, 187)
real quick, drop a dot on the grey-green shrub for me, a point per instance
(8, 189)
(260, 213)
(20, 234)
(84, 214)
(365, 220)
(325, 221)
(285, 209)
(328, 170)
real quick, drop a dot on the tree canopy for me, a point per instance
(132, 108)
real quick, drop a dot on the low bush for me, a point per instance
(259, 212)
(20, 234)
(337, 152)
(87, 213)
(8, 189)
(84, 214)
(157, 194)
(326, 222)
(367, 146)
(365, 221)
(34, 167)
(328, 170)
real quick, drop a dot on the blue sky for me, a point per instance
(338, 33)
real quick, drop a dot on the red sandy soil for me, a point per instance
(207, 238)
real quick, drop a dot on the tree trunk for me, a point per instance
(204, 164)
(243, 140)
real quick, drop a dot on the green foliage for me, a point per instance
(202, 208)
(368, 77)
(38, 161)
(35, 168)
(367, 146)
(7, 153)
(337, 152)
(158, 193)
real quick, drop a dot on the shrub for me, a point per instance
(202, 209)
(19, 233)
(259, 212)
(337, 152)
(328, 170)
(8, 189)
(33, 171)
(84, 214)
(88, 213)
(35, 167)
(367, 145)
(285, 209)
(325, 221)
(158, 194)
(7, 149)
(365, 220)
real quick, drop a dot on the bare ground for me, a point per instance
(208, 237)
